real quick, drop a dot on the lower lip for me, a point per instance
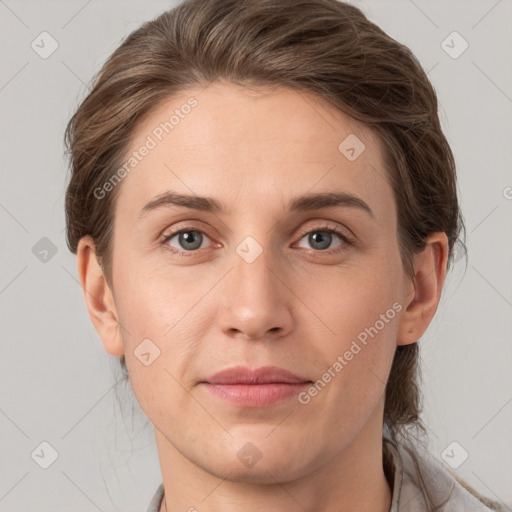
(255, 395)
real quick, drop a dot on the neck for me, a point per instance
(352, 479)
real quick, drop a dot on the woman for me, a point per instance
(219, 145)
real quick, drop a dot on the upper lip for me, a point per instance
(262, 375)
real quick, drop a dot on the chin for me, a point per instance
(260, 461)
(263, 473)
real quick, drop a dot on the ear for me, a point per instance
(421, 296)
(98, 297)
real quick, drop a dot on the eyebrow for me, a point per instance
(306, 202)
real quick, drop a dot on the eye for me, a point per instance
(188, 240)
(321, 238)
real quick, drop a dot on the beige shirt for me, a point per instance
(440, 489)
(408, 494)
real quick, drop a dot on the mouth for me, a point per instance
(260, 387)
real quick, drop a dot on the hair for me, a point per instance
(324, 47)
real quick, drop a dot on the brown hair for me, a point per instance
(324, 47)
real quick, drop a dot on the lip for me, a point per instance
(261, 375)
(260, 387)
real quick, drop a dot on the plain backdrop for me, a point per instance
(58, 402)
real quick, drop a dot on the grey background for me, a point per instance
(56, 380)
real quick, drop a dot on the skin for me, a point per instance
(254, 150)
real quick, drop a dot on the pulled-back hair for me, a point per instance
(324, 47)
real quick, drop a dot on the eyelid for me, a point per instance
(186, 225)
(326, 224)
(320, 224)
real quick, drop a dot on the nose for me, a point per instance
(257, 298)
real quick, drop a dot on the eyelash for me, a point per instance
(347, 242)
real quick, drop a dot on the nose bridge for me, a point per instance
(255, 264)
(255, 302)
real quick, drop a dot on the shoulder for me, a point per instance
(422, 482)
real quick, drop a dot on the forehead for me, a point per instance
(252, 146)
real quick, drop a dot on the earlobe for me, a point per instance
(98, 297)
(421, 298)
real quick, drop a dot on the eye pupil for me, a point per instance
(186, 238)
(313, 238)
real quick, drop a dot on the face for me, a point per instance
(317, 289)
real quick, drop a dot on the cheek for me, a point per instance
(146, 302)
(162, 326)
(159, 342)
(359, 312)
(355, 300)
